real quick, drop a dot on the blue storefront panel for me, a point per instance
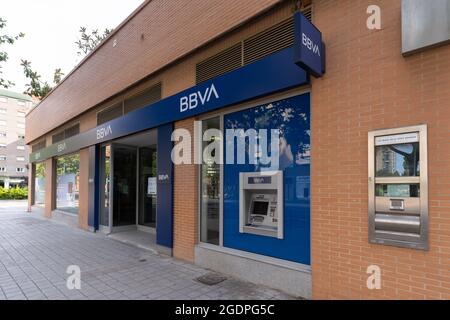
(292, 117)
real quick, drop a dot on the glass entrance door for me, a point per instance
(147, 186)
(124, 185)
(105, 188)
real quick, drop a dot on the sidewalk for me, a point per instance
(35, 254)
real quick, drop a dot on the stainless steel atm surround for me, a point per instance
(398, 202)
(261, 203)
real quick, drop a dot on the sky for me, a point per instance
(51, 29)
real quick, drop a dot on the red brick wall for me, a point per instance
(185, 204)
(161, 32)
(369, 85)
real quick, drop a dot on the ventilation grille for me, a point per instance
(223, 62)
(269, 41)
(254, 48)
(111, 113)
(72, 131)
(143, 99)
(58, 137)
(38, 146)
(307, 12)
(66, 133)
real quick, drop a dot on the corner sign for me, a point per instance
(309, 50)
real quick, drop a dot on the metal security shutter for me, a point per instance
(269, 41)
(145, 98)
(223, 62)
(111, 113)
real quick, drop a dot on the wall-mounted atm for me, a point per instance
(261, 203)
(398, 187)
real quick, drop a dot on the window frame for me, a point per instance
(55, 184)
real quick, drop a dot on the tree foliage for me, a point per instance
(89, 40)
(6, 39)
(86, 43)
(37, 87)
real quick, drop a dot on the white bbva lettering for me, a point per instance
(307, 42)
(61, 147)
(103, 132)
(193, 100)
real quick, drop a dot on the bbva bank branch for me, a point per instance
(360, 116)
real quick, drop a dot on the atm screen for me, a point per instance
(260, 208)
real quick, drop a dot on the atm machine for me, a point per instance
(261, 203)
(398, 187)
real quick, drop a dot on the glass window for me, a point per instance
(20, 102)
(2, 169)
(3, 110)
(21, 114)
(210, 190)
(20, 147)
(21, 125)
(39, 184)
(2, 134)
(2, 123)
(20, 170)
(2, 145)
(67, 183)
(397, 160)
(3, 157)
(20, 158)
(3, 99)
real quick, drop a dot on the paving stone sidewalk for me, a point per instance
(35, 254)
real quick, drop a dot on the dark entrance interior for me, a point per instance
(128, 181)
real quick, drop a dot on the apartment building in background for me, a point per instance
(13, 150)
(362, 187)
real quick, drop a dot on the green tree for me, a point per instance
(6, 39)
(88, 41)
(37, 87)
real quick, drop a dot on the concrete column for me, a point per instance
(50, 187)
(6, 183)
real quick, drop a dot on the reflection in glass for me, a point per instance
(124, 206)
(400, 160)
(397, 190)
(210, 180)
(105, 181)
(67, 183)
(147, 186)
(39, 184)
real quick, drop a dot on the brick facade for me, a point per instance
(369, 85)
(185, 204)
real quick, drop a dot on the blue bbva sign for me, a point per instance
(266, 76)
(309, 50)
(271, 74)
